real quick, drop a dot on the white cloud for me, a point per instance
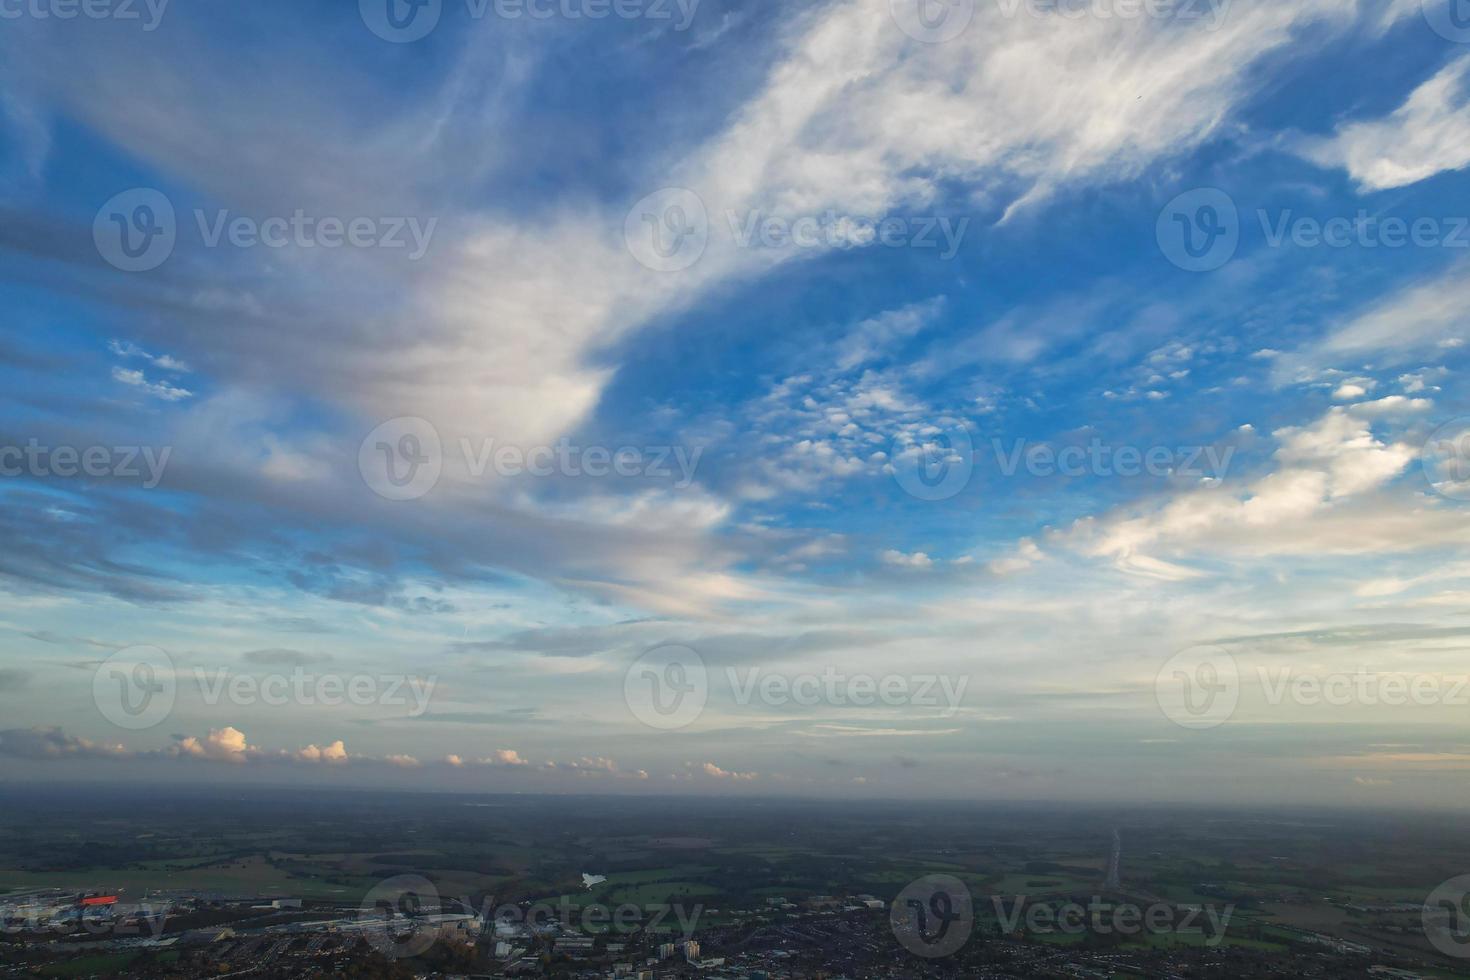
(1391, 405)
(220, 745)
(598, 764)
(509, 329)
(916, 560)
(1319, 467)
(1027, 553)
(166, 362)
(710, 769)
(1428, 134)
(336, 752)
(1416, 319)
(876, 336)
(158, 389)
(500, 332)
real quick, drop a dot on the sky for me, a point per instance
(987, 399)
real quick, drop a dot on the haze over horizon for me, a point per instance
(752, 399)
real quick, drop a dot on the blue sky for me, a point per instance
(842, 452)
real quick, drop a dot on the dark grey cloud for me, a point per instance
(67, 544)
(714, 648)
(67, 640)
(53, 743)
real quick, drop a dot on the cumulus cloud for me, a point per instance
(334, 753)
(598, 764)
(1027, 553)
(916, 560)
(226, 745)
(710, 769)
(220, 745)
(230, 746)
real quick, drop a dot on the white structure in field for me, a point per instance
(1114, 882)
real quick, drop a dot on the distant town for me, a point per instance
(51, 933)
(980, 893)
